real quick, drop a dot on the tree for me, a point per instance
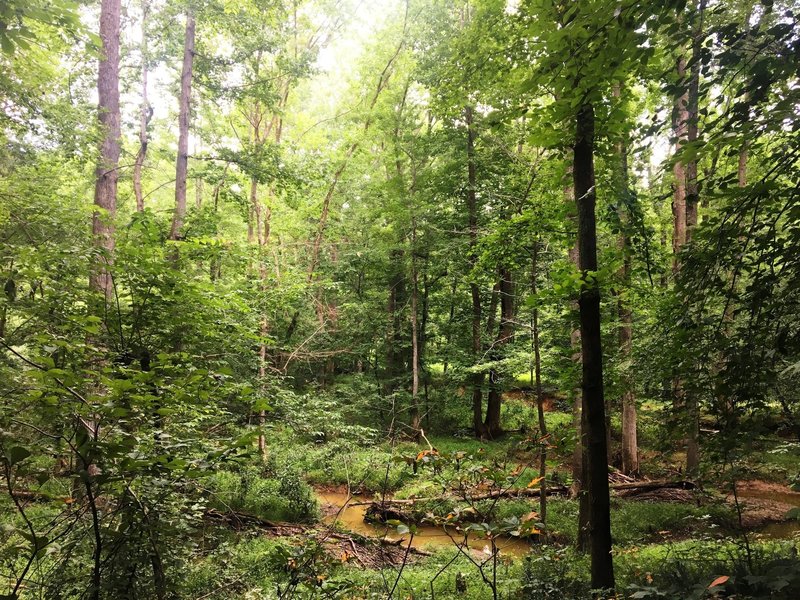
(592, 353)
(146, 112)
(184, 116)
(107, 173)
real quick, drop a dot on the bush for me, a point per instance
(686, 571)
(278, 495)
(555, 573)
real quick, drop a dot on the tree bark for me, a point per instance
(106, 173)
(472, 210)
(505, 335)
(105, 201)
(579, 460)
(144, 117)
(680, 119)
(537, 371)
(692, 122)
(415, 416)
(630, 446)
(602, 569)
(692, 201)
(182, 161)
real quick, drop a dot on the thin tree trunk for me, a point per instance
(105, 191)
(692, 122)
(679, 131)
(415, 416)
(472, 210)
(602, 569)
(450, 318)
(182, 161)
(680, 120)
(630, 446)
(396, 363)
(105, 200)
(692, 201)
(144, 117)
(504, 336)
(579, 461)
(537, 370)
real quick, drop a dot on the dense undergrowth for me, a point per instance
(664, 549)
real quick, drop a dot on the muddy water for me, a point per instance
(786, 499)
(427, 536)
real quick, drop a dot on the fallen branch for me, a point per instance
(642, 486)
(638, 486)
(514, 493)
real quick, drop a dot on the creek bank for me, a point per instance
(349, 512)
(364, 550)
(765, 506)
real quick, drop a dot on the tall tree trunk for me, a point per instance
(395, 355)
(182, 162)
(692, 121)
(105, 201)
(537, 371)
(450, 318)
(680, 119)
(105, 190)
(415, 416)
(630, 446)
(475, 291)
(579, 460)
(602, 569)
(144, 117)
(504, 336)
(692, 201)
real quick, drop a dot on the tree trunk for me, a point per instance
(144, 117)
(537, 371)
(395, 355)
(105, 190)
(680, 118)
(105, 201)
(579, 461)
(504, 336)
(692, 122)
(415, 416)
(472, 210)
(692, 201)
(182, 162)
(450, 317)
(592, 354)
(630, 446)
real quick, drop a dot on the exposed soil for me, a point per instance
(764, 502)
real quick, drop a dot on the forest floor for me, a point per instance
(654, 530)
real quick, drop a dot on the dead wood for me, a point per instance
(370, 552)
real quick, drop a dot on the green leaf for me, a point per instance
(17, 454)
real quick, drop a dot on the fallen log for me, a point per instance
(495, 495)
(628, 488)
(641, 486)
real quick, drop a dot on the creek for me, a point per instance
(787, 499)
(351, 517)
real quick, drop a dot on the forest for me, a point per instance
(399, 299)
